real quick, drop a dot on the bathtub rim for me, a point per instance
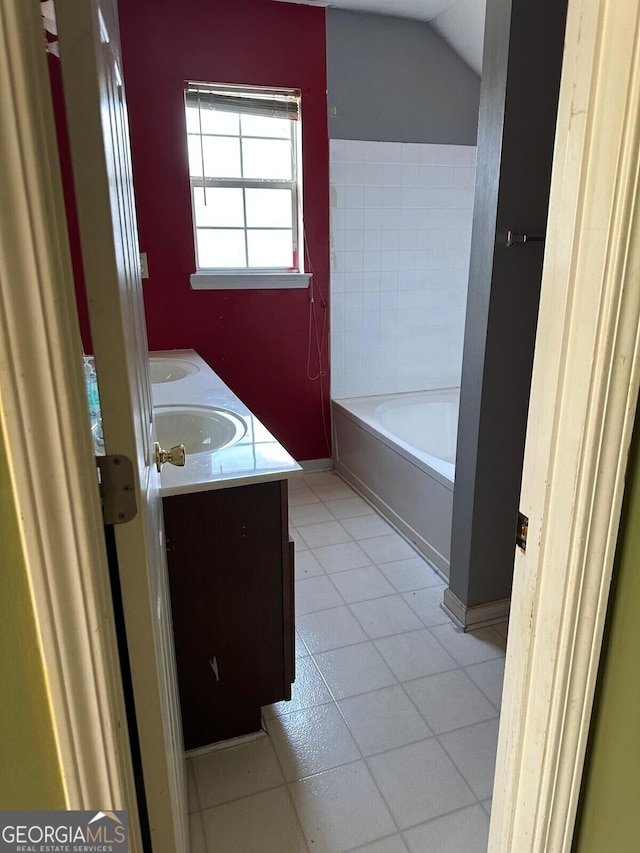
(431, 465)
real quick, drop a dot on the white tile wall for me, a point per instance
(400, 243)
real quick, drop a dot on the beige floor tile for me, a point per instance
(324, 533)
(464, 831)
(414, 654)
(473, 751)
(306, 566)
(299, 543)
(341, 809)
(342, 557)
(385, 549)
(228, 774)
(317, 593)
(354, 669)
(390, 844)
(382, 617)
(263, 823)
(473, 647)
(502, 628)
(330, 629)
(450, 700)
(196, 833)
(334, 491)
(367, 526)
(409, 574)
(321, 478)
(489, 677)
(419, 782)
(349, 508)
(362, 584)
(192, 794)
(310, 741)
(426, 603)
(309, 514)
(307, 690)
(302, 497)
(383, 719)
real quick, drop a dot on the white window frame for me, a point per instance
(255, 278)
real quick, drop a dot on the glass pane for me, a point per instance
(270, 249)
(266, 158)
(222, 207)
(270, 208)
(220, 249)
(213, 121)
(266, 126)
(221, 157)
(195, 156)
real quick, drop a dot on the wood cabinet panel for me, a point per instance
(231, 576)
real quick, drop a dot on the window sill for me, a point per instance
(249, 281)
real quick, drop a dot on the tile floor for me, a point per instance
(388, 744)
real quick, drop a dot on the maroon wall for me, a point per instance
(256, 340)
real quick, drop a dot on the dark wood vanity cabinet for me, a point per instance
(231, 573)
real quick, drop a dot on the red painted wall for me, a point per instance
(257, 341)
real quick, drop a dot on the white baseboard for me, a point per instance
(433, 557)
(225, 744)
(478, 616)
(311, 466)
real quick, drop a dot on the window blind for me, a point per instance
(273, 103)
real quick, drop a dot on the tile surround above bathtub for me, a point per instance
(400, 243)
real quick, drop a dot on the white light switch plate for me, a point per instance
(144, 266)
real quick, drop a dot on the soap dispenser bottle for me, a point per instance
(93, 399)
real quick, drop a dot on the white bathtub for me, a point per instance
(398, 450)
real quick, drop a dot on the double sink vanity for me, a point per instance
(230, 558)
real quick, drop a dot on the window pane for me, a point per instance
(223, 207)
(270, 249)
(195, 156)
(220, 249)
(266, 158)
(270, 208)
(265, 126)
(221, 157)
(213, 121)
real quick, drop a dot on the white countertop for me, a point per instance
(256, 458)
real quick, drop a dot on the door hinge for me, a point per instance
(522, 531)
(117, 490)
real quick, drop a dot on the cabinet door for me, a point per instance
(230, 575)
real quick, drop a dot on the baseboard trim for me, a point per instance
(433, 557)
(478, 616)
(311, 466)
(226, 744)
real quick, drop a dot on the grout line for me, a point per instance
(484, 692)
(192, 771)
(437, 817)
(336, 702)
(367, 845)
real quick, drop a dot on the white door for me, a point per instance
(581, 414)
(98, 130)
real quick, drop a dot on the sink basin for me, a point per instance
(170, 369)
(202, 429)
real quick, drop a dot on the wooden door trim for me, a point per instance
(44, 411)
(581, 416)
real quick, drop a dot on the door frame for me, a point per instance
(584, 392)
(44, 410)
(582, 409)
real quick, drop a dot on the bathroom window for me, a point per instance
(244, 149)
